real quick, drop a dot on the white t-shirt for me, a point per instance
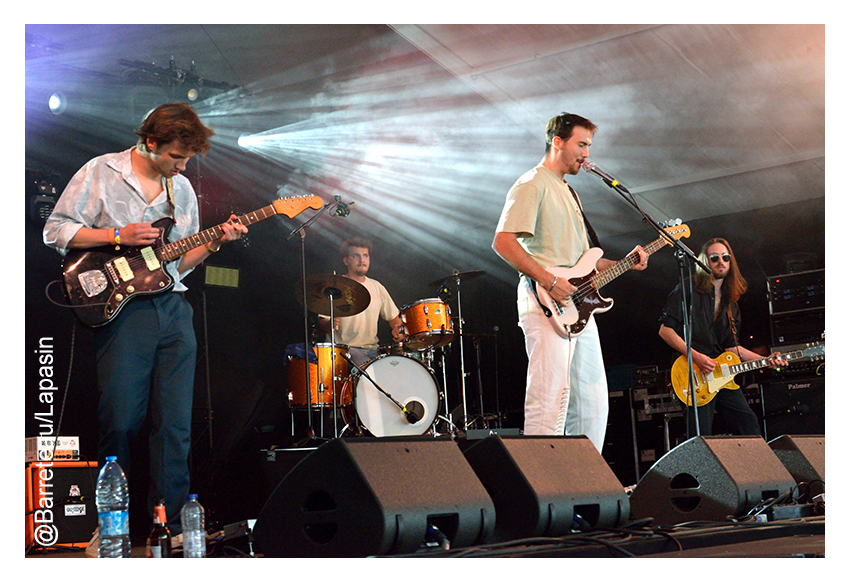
(361, 330)
(541, 208)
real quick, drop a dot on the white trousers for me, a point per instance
(566, 387)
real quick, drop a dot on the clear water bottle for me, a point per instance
(113, 503)
(194, 532)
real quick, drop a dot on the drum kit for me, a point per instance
(394, 394)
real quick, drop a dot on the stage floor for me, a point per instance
(797, 538)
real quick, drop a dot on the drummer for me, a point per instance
(360, 332)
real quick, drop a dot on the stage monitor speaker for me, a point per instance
(375, 496)
(547, 486)
(805, 458)
(710, 479)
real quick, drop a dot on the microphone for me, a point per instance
(592, 168)
(343, 209)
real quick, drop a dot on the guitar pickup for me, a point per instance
(149, 255)
(123, 268)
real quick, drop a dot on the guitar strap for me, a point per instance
(169, 190)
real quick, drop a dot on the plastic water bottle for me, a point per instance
(194, 532)
(113, 503)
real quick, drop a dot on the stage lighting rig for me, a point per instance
(180, 84)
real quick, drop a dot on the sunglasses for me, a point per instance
(714, 257)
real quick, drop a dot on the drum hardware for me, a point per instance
(457, 277)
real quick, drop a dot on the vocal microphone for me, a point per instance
(592, 168)
(343, 209)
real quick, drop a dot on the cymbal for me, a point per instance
(349, 297)
(466, 276)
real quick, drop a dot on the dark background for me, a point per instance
(425, 128)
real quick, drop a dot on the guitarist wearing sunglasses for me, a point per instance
(716, 319)
(146, 354)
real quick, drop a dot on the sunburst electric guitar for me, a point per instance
(98, 282)
(728, 366)
(571, 316)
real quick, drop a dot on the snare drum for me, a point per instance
(408, 381)
(427, 324)
(323, 382)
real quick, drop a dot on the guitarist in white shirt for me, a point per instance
(147, 354)
(716, 317)
(542, 226)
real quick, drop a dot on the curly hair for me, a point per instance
(358, 242)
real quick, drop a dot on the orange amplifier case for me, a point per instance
(59, 503)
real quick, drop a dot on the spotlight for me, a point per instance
(57, 103)
(193, 94)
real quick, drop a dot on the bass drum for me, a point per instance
(404, 378)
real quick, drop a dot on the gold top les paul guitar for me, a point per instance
(98, 282)
(723, 376)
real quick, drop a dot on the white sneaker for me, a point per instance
(94, 544)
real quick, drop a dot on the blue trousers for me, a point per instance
(146, 359)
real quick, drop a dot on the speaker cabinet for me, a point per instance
(362, 497)
(710, 479)
(546, 486)
(805, 459)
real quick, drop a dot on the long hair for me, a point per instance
(734, 285)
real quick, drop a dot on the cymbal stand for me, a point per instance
(302, 231)
(456, 275)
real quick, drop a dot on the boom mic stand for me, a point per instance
(682, 252)
(302, 230)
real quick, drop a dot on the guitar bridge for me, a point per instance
(93, 282)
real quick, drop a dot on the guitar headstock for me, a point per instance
(294, 206)
(678, 231)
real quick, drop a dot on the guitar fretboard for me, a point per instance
(620, 267)
(171, 251)
(753, 365)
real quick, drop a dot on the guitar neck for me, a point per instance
(629, 261)
(174, 250)
(753, 365)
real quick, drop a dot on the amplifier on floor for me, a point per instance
(710, 479)
(365, 497)
(546, 486)
(59, 503)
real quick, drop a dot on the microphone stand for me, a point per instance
(682, 252)
(302, 231)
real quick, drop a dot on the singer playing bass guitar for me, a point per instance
(543, 225)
